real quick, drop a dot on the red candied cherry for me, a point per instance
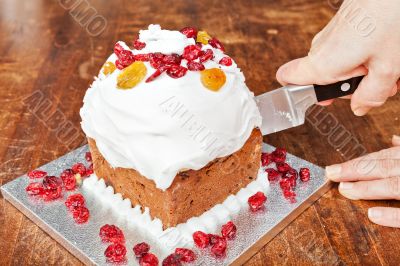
(283, 167)
(279, 155)
(225, 61)
(68, 178)
(37, 174)
(138, 45)
(265, 159)
(79, 168)
(256, 202)
(149, 259)
(73, 201)
(176, 71)
(229, 230)
(172, 260)
(52, 194)
(88, 156)
(185, 255)
(214, 42)
(34, 189)
(172, 59)
(141, 249)
(273, 175)
(304, 174)
(219, 248)
(111, 233)
(189, 32)
(201, 239)
(206, 55)
(89, 170)
(115, 253)
(80, 214)
(191, 52)
(195, 66)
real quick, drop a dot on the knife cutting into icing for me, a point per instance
(286, 107)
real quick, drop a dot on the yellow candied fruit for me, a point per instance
(203, 37)
(213, 78)
(109, 68)
(132, 75)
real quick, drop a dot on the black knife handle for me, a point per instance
(338, 89)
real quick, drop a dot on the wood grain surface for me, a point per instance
(49, 53)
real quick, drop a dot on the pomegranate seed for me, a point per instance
(172, 260)
(229, 230)
(201, 239)
(138, 45)
(265, 159)
(68, 178)
(154, 76)
(225, 61)
(142, 57)
(219, 248)
(89, 170)
(189, 32)
(279, 155)
(34, 189)
(37, 174)
(73, 201)
(51, 182)
(273, 175)
(111, 233)
(141, 249)
(256, 202)
(88, 156)
(195, 66)
(80, 214)
(115, 253)
(206, 55)
(79, 168)
(118, 49)
(148, 259)
(186, 255)
(191, 52)
(214, 42)
(52, 194)
(176, 71)
(283, 167)
(304, 174)
(173, 59)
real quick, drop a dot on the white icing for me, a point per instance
(181, 235)
(165, 126)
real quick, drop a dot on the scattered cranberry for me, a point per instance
(287, 183)
(214, 42)
(225, 61)
(142, 57)
(34, 189)
(191, 52)
(279, 155)
(148, 259)
(138, 45)
(173, 59)
(201, 239)
(125, 58)
(79, 168)
(73, 201)
(273, 175)
(141, 249)
(195, 66)
(229, 230)
(189, 32)
(156, 60)
(304, 174)
(265, 159)
(289, 194)
(176, 71)
(111, 233)
(219, 248)
(154, 76)
(186, 255)
(115, 253)
(172, 260)
(80, 214)
(51, 182)
(118, 49)
(283, 167)
(52, 194)
(89, 170)
(256, 202)
(88, 156)
(206, 55)
(68, 178)
(37, 174)
(291, 174)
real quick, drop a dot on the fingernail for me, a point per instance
(374, 213)
(333, 172)
(345, 185)
(360, 111)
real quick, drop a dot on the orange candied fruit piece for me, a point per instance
(109, 68)
(132, 75)
(213, 78)
(203, 37)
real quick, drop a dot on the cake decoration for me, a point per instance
(132, 75)
(109, 68)
(213, 79)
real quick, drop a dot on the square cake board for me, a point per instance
(254, 230)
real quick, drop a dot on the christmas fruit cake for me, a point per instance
(171, 124)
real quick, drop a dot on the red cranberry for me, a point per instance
(172, 260)
(88, 156)
(79, 168)
(73, 201)
(279, 155)
(52, 194)
(201, 239)
(89, 170)
(142, 57)
(265, 159)
(37, 174)
(138, 45)
(118, 49)
(219, 248)
(111, 233)
(173, 59)
(214, 42)
(149, 259)
(176, 71)
(206, 55)
(214, 238)
(68, 178)
(287, 183)
(273, 175)
(156, 60)
(191, 52)
(186, 255)
(304, 174)
(256, 202)
(125, 58)
(141, 249)
(289, 194)
(154, 75)
(229, 230)
(80, 214)
(34, 189)
(189, 32)
(225, 61)
(195, 66)
(51, 182)
(119, 65)
(291, 174)
(115, 253)
(283, 167)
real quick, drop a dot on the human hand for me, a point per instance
(372, 177)
(345, 49)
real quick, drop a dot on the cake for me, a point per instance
(171, 124)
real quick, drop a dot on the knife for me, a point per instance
(286, 107)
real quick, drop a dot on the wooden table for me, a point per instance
(46, 52)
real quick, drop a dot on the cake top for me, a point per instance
(173, 102)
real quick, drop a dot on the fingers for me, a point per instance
(385, 216)
(388, 188)
(396, 140)
(378, 165)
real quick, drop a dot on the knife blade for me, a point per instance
(286, 107)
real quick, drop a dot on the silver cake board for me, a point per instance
(254, 230)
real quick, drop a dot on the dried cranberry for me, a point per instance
(153, 76)
(195, 66)
(225, 61)
(273, 175)
(89, 170)
(291, 174)
(256, 202)
(172, 260)
(37, 174)
(219, 248)
(214, 42)
(172, 59)
(80, 214)
(287, 183)
(201, 239)
(148, 259)
(141, 249)
(176, 71)
(142, 57)
(88, 156)
(52, 194)
(115, 253)
(189, 32)
(304, 174)
(229, 230)
(289, 194)
(283, 167)
(191, 52)
(79, 168)
(214, 238)
(111, 233)
(186, 255)
(34, 189)
(125, 58)
(279, 155)
(206, 55)
(265, 159)
(156, 60)
(51, 182)
(68, 178)
(138, 45)
(118, 49)
(119, 65)
(73, 201)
